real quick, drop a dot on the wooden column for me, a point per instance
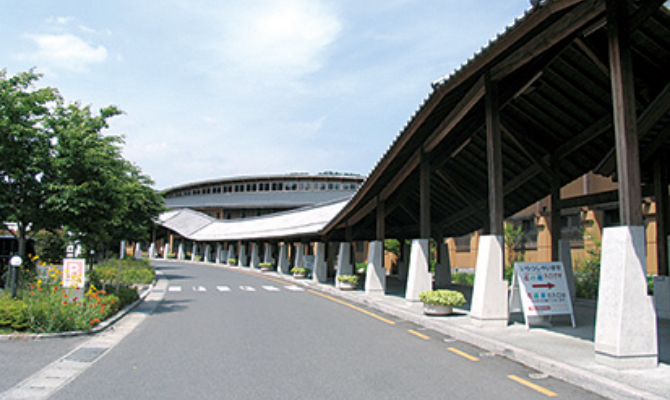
(424, 190)
(555, 211)
(625, 122)
(661, 182)
(494, 158)
(381, 219)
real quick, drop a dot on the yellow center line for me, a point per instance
(533, 386)
(463, 354)
(421, 335)
(344, 303)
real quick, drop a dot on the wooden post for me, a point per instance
(381, 220)
(494, 157)
(625, 122)
(555, 212)
(424, 190)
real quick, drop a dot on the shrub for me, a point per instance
(463, 278)
(132, 272)
(265, 265)
(12, 313)
(353, 279)
(300, 270)
(232, 261)
(442, 297)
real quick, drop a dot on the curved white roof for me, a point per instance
(200, 227)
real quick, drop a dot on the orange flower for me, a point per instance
(102, 310)
(65, 296)
(32, 293)
(32, 286)
(75, 298)
(64, 302)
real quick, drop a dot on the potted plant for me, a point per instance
(347, 282)
(265, 267)
(300, 272)
(440, 302)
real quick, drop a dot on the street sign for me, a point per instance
(543, 290)
(74, 272)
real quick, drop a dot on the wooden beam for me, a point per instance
(593, 57)
(651, 148)
(463, 107)
(625, 123)
(555, 210)
(381, 220)
(530, 155)
(424, 202)
(494, 157)
(571, 22)
(406, 170)
(362, 212)
(644, 12)
(440, 174)
(598, 128)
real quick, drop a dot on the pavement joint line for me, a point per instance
(533, 386)
(388, 321)
(463, 354)
(418, 334)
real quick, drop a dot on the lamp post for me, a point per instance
(15, 262)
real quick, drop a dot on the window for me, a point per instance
(251, 187)
(291, 186)
(462, 243)
(239, 188)
(571, 229)
(277, 186)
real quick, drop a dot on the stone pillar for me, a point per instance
(242, 261)
(300, 255)
(320, 273)
(489, 305)
(267, 256)
(138, 251)
(218, 256)
(565, 256)
(255, 258)
(181, 255)
(231, 254)
(207, 253)
(662, 296)
(166, 251)
(419, 278)
(152, 250)
(344, 265)
(443, 266)
(375, 276)
(282, 262)
(626, 332)
(194, 250)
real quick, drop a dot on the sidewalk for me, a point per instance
(559, 350)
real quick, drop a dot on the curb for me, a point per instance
(97, 329)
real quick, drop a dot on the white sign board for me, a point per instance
(74, 270)
(543, 289)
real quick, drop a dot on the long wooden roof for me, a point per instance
(552, 71)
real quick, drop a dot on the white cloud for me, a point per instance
(66, 52)
(279, 39)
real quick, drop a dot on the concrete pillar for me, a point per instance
(194, 250)
(375, 276)
(443, 266)
(207, 253)
(152, 250)
(662, 296)
(300, 255)
(565, 256)
(489, 305)
(166, 251)
(242, 259)
(344, 265)
(181, 254)
(218, 255)
(138, 251)
(419, 278)
(231, 253)
(255, 257)
(267, 256)
(282, 262)
(320, 273)
(626, 332)
(403, 262)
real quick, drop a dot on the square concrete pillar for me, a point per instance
(344, 265)
(207, 253)
(255, 257)
(181, 255)
(242, 261)
(267, 256)
(442, 267)
(419, 278)
(320, 273)
(194, 251)
(166, 251)
(300, 255)
(375, 275)
(218, 254)
(138, 251)
(282, 262)
(626, 332)
(489, 305)
(152, 250)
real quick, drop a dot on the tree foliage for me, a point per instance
(60, 172)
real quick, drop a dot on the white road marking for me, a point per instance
(174, 289)
(294, 288)
(223, 288)
(199, 289)
(271, 288)
(247, 289)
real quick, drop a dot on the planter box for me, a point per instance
(430, 309)
(299, 276)
(266, 269)
(347, 286)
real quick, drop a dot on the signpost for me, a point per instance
(74, 270)
(541, 289)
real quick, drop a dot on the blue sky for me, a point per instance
(220, 88)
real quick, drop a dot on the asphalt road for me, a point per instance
(228, 334)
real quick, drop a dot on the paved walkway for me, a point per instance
(558, 350)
